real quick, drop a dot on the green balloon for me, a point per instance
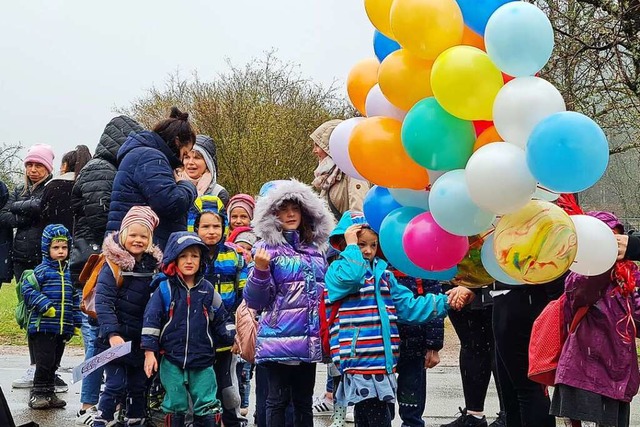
(435, 139)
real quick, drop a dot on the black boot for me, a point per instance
(174, 420)
(211, 420)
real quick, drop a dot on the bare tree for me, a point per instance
(10, 170)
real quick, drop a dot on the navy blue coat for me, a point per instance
(145, 178)
(6, 241)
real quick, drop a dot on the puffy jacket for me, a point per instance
(288, 294)
(56, 290)
(56, 201)
(6, 241)
(228, 275)
(120, 310)
(145, 177)
(22, 212)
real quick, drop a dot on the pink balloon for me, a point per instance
(430, 247)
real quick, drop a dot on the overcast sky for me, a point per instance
(65, 65)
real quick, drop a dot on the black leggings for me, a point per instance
(373, 413)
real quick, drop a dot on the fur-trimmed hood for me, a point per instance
(121, 257)
(268, 227)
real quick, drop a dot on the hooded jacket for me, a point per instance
(56, 290)
(6, 241)
(206, 146)
(289, 292)
(56, 208)
(145, 177)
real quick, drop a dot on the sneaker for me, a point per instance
(60, 385)
(467, 420)
(56, 402)
(27, 379)
(46, 401)
(85, 417)
(501, 421)
(349, 417)
(322, 406)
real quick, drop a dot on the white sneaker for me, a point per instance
(85, 417)
(349, 418)
(322, 406)
(26, 381)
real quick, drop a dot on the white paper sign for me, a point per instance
(90, 365)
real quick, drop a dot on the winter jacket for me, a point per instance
(595, 357)
(120, 310)
(633, 248)
(22, 212)
(6, 241)
(145, 177)
(56, 201)
(227, 273)
(289, 292)
(207, 147)
(56, 290)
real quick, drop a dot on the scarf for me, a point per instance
(326, 174)
(202, 184)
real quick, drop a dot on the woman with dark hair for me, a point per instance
(146, 165)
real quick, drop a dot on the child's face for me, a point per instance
(368, 244)
(194, 164)
(239, 218)
(290, 216)
(59, 250)
(137, 241)
(244, 245)
(189, 261)
(210, 229)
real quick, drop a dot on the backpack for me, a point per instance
(246, 333)
(89, 278)
(325, 326)
(22, 312)
(548, 336)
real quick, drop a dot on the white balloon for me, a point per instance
(597, 246)
(378, 105)
(339, 146)
(498, 178)
(521, 104)
(543, 193)
(414, 198)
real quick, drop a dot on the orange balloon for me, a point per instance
(376, 151)
(471, 38)
(362, 77)
(405, 79)
(487, 136)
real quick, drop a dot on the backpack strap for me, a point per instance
(580, 313)
(165, 293)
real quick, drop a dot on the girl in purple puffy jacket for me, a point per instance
(286, 283)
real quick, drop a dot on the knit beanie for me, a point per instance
(40, 153)
(142, 215)
(321, 135)
(243, 201)
(248, 237)
(207, 147)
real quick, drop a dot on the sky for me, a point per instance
(67, 65)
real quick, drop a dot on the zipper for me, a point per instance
(169, 321)
(354, 341)
(186, 345)
(206, 315)
(61, 271)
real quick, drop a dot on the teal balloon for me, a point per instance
(435, 139)
(490, 263)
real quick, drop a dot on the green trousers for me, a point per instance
(180, 383)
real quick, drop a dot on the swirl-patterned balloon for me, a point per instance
(536, 244)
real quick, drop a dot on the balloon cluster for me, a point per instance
(461, 136)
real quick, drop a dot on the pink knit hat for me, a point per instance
(141, 215)
(40, 153)
(243, 201)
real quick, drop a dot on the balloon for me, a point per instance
(430, 247)
(339, 146)
(471, 272)
(426, 28)
(434, 175)
(378, 105)
(519, 39)
(377, 204)
(411, 198)
(491, 264)
(383, 46)
(521, 104)
(405, 79)
(487, 136)
(452, 207)
(435, 139)
(536, 244)
(362, 77)
(481, 125)
(270, 185)
(376, 151)
(567, 152)
(476, 13)
(378, 13)
(465, 82)
(498, 178)
(597, 246)
(544, 194)
(471, 38)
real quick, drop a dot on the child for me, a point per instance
(120, 311)
(242, 239)
(597, 373)
(286, 284)
(56, 314)
(226, 271)
(240, 211)
(183, 321)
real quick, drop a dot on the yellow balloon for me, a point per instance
(471, 272)
(427, 28)
(405, 79)
(465, 82)
(362, 77)
(536, 244)
(378, 13)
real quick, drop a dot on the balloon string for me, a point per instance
(626, 337)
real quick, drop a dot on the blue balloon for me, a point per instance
(377, 204)
(519, 39)
(567, 152)
(490, 263)
(476, 13)
(391, 232)
(383, 46)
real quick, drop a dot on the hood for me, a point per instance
(203, 204)
(114, 135)
(178, 242)
(148, 139)
(51, 232)
(67, 176)
(314, 209)
(237, 231)
(348, 219)
(112, 249)
(207, 147)
(322, 134)
(608, 218)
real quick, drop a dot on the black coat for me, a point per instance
(56, 201)
(6, 241)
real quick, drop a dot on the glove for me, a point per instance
(50, 313)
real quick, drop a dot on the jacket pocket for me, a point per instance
(354, 342)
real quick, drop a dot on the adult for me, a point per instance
(146, 165)
(628, 247)
(341, 191)
(201, 168)
(6, 241)
(56, 199)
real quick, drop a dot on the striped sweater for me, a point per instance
(228, 275)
